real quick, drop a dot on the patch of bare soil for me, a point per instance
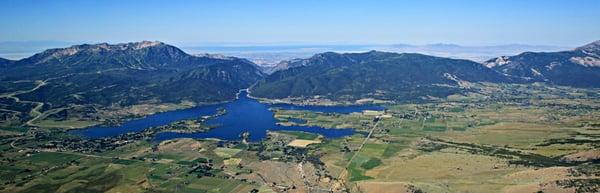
(179, 145)
(583, 156)
(302, 142)
(547, 180)
(548, 187)
(287, 176)
(386, 187)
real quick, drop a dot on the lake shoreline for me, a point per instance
(245, 114)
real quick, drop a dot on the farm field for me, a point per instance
(473, 145)
(336, 96)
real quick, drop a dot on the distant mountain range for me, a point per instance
(411, 76)
(579, 67)
(375, 74)
(475, 53)
(270, 55)
(126, 74)
(132, 73)
(267, 55)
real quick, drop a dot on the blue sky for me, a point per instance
(545, 22)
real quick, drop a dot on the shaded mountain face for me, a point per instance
(5, 62)
(220, 80)
(579, 67)
(132, 73)
(139, 55)
(375, 74)
(126, 74)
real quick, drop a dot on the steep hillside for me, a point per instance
(5, 62)
(375, 74)
(579, 67)
(126, 74)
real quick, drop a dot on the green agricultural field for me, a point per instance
(443, 146)
(358, 121)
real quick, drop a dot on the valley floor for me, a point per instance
(506, 138)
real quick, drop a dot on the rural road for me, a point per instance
(345, 171)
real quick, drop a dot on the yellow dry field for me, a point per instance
(302, 142)
(232, 161)
(185, 148)
(273, 172)
(183, 144)
(583, 156)
(344, 126)
(540, 175)
(511, 134)
(545, 187)
(511, 114)
(165, 161)
(132, 150)
(371, 100)
(544, 179)
(448, 170)
(372, 113)
(384, 187)
(518, 135)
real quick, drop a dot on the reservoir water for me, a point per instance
(243, 114)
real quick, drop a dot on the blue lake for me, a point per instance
(243, 114)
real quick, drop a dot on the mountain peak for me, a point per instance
(121, 46)
(103, 46)
(59, 53)
(591, 47)
(142, 44)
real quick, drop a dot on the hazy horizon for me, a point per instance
(274, 52)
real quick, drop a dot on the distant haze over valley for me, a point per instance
(272, 96)
(271, 54)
